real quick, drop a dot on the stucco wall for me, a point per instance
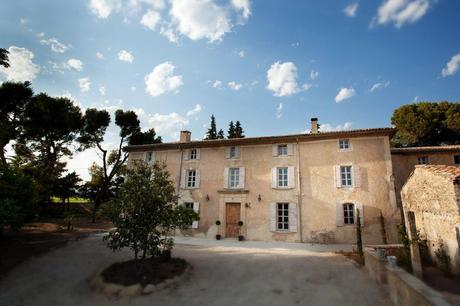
(316, 197)
(435, 202)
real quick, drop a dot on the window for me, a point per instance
(282, 216)
(232, 152)
(234, 177)
(457, 159)
(345, 176)
(193, 154)
(282, 149)
(348, 213)
(148, 156)
(344, 144)
(283, 177)
(422, 160)
(189, 205)
(191, 178)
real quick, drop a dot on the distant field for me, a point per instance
(72, 200)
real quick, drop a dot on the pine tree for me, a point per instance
(239, 133)
(212, 131)
(231, 130)
(220, 134)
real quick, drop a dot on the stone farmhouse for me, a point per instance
(296, 188)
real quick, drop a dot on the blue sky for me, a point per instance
(270, 64)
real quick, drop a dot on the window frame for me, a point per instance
(283, 225)
(193, 154)
(148, 154)
(233, 177)
(282, 177)
(191, 179)
(344, 144)
(348, 209)
(346, 176)
(282, 150)
(422, 160)
(232, 152)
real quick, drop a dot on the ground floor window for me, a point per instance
(282, 216)
(189, 205)
(349, 213)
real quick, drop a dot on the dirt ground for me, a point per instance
(38, 238)
(223, 273)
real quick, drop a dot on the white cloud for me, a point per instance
(350, 10)
(169, 32)
(279, 111)
(168, 125)
(234, 86)
(151, 19)
(21, 66)
(162, 80)
(345, 93)
(73, 64)
(55, 44)
(452, 66)
(198, 19)
(326, 127)
(379, 86)
(102, 90)
(400, 12)
(84, 84)
(125, 56)
(241, 54)
(282, 79)
(314, 74)
(243, 6)
(217, 84)
(103, 8)
(99, 55)
(195, 111)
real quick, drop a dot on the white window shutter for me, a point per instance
(293, 217)
(356, 176)
(226, 178)
(290, 149)
(339, 214)
(187, 155)
(275, 150)
(198, 154)
(183, 179)
(227, 152)
(197, 179)
(272, 223)
(291, 177)
(337, 178)
(274, 179)
(237, 152)
(196, 208)
(242, 177)
(361, 212)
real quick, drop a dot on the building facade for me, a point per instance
(297, 188)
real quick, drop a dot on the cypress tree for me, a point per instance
(212, 131)
(239, 133)
(220, 134)
(231, 130)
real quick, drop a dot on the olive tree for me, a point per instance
(146, 213)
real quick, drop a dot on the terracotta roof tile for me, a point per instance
(432, 149)
(451, 172)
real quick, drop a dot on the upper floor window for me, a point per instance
(457, 159)
(348, 213)
(282, 216)
(232, 152)
(193, 154)
(234, 177)
(344, 144)
(191, 178)
(422, 160)
(282, 149)
(283, 177)
(148, 156)
(346, 176)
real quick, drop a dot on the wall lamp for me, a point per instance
(259, 198)
(207, 198)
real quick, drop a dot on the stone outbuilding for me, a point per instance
(431, 203)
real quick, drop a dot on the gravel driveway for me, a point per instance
(224, 273)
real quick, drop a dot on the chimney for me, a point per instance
(314, 126)
(185, 136)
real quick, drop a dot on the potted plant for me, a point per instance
(218, 236)
(240, 236)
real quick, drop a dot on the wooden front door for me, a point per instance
(232, 217)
